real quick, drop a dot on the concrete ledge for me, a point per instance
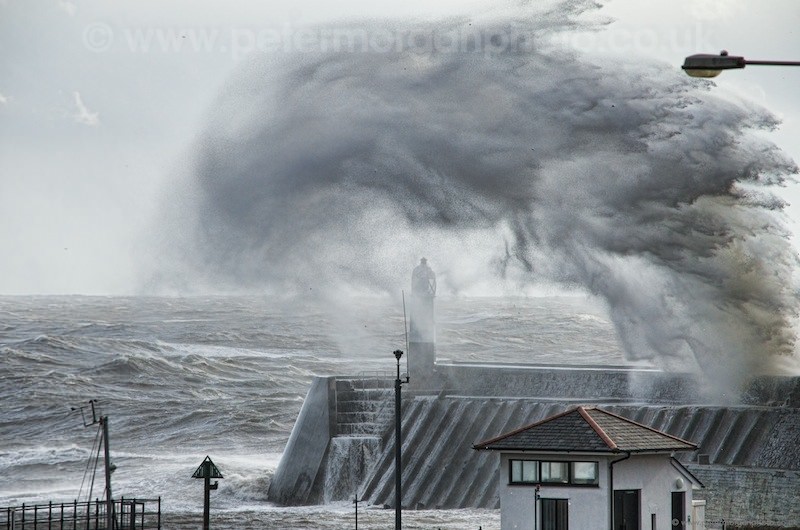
(569, 382)
(604, 383)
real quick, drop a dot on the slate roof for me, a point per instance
(586, 429)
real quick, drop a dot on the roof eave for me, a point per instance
(545, 450)
(609, 451)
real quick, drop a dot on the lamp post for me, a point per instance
(355, 503)
(398, 440)
(708, 65)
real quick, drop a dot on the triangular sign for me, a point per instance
(207, 469)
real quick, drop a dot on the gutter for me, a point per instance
(611, 488)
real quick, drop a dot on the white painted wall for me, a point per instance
(589, 507)
(656, 477)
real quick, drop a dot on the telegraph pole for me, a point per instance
(103, 421)
(110, 519)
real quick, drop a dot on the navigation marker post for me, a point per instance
(207, 471)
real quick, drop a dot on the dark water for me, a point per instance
(182, 378)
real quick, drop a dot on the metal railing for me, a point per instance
(386, 375)
(129, 514)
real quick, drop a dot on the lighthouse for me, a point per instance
(422, 332)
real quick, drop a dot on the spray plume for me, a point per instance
(630, 182)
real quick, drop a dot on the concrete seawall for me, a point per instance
(345, 439)
(601, 383)
(304, 455)
(443, 471)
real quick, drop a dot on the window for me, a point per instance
(557, 472)
(553, 472)
(584, 473)
(555, 514)
(524, 472)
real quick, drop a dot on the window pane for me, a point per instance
(584, 473)
(516, 471)
(530, 471)
(555, 472)
(525, 471)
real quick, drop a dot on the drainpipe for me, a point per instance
(611, 489)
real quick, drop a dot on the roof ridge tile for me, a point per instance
(596, 428)
(651, 429)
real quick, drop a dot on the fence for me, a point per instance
(129, 514)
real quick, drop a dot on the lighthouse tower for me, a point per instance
(422, 332)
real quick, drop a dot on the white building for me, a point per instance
(590, 469)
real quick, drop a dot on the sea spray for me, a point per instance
(348, 464)
(331, 169)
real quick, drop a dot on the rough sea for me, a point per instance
(183, 378)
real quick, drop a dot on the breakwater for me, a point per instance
(343, 442)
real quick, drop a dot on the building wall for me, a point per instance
(657, 478)
(589, 507)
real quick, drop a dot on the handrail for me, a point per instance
(130, 514)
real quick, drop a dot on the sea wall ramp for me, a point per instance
(441, 470)
(355, 452)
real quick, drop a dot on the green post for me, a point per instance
(207, 471)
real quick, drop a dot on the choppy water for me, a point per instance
(184, 378)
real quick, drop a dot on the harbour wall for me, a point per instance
(748, 450)
(607, 384)
(750, 496)
(304, 455)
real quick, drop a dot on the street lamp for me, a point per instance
(708, 65)
(398, 492)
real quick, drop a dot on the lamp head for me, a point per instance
(708, 65)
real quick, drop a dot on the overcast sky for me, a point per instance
(100, 102)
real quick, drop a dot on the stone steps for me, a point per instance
(363, 406)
